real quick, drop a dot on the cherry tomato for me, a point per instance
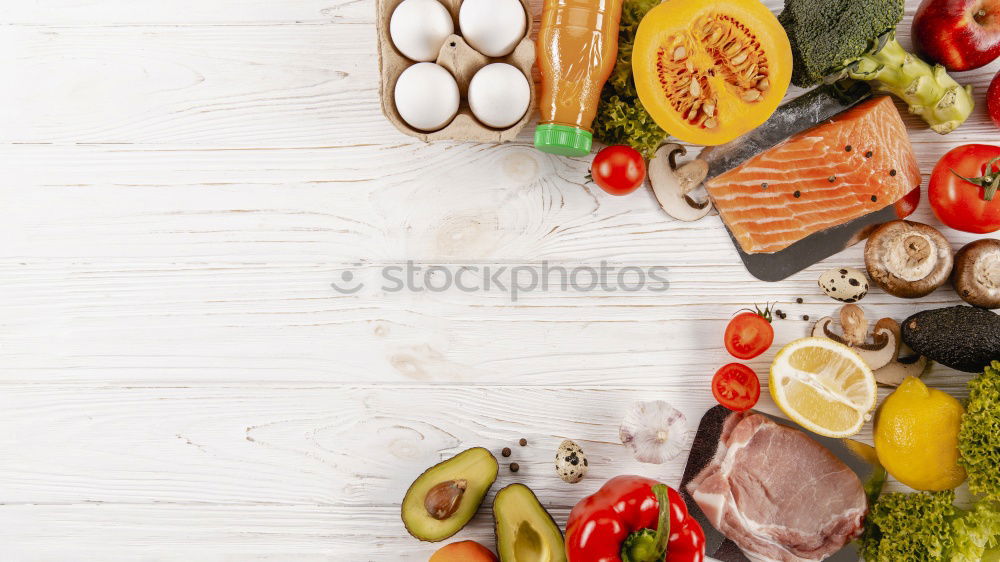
(736, 387)
(749, 334)
(908, 204)
(618, 169)
(970, 204)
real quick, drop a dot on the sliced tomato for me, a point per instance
(736, 387)
(749, 334)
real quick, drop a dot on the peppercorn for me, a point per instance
(505, 452)
(514, 467)
(523, 442)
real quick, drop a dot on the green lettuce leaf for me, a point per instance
(979, 436)
(975, 532)
(621, 118)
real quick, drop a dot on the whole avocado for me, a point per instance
(961, 337)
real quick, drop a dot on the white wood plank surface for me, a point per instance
(183, 180)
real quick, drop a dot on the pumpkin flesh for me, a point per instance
(707, 72)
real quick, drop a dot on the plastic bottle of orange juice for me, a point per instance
(577, 46)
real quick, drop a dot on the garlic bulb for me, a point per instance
(655, 430)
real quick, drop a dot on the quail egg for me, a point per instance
(492, 27)
(418, 28)
(499, 95)
(844, 284)
(571, 463)
(426, 96)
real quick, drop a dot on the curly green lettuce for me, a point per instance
(976, 534)
(621, 118)
(912, 527)
(927, 527)
(979, 436)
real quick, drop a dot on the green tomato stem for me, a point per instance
(989, 181)
(929, 91)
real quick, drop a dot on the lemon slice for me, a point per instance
(823, 386)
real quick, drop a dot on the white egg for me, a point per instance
(426, 96)
(492, 27)
(419, 27)
(499, 95)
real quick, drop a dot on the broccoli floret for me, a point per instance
(828, 35)
(927, 527)
(979, 436)
(855, 39)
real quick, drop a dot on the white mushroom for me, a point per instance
(672, 183)
(904, 363)
(976, 275)
(908, 259)
(854, 327)
(655, 430)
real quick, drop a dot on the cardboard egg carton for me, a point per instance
(463, 62)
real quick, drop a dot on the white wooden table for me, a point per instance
(182, 180)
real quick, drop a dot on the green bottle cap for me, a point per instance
(563, 140)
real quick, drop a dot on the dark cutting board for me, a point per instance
(706, 443)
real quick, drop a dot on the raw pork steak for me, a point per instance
(778, 494)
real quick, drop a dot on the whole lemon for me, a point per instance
(916, 437)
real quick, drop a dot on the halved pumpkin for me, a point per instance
(709, 71)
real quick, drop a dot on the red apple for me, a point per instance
(959, 34)
(993, 100)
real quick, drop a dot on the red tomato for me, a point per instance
(736, 387)
(619, 170)
(960, 203)
(749, 334)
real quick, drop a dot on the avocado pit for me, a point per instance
(442, 501)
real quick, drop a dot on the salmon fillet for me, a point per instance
(859, 162)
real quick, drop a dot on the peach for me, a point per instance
(463, 551)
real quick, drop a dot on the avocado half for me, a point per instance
(476, 469)
(961, 337)
(525, 532)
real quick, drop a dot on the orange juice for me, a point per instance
(577, 47)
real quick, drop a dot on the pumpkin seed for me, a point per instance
(738, 59)
(695, 88)
(680, 53)
(711, 123)
(751, 95)
(709, 109)
(764, 84)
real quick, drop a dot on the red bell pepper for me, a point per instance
(633, 519)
